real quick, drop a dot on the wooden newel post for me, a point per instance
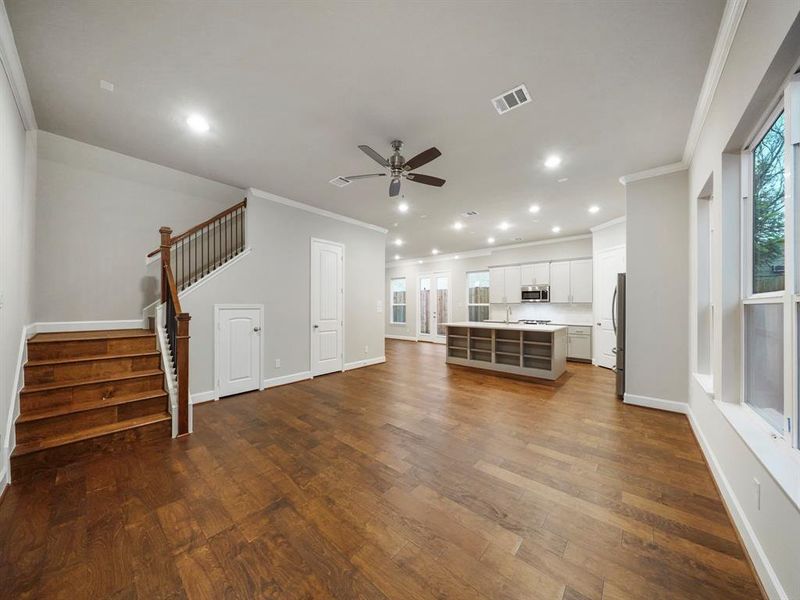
(182, 343)
(166, 236)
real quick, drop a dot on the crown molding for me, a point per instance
(656, 172)
(9, 59)
(483, 251)
(607, 224)
(251, 192)
(731, 17)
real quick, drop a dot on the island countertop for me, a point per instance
(509, 326)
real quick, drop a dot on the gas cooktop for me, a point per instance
(536, 321)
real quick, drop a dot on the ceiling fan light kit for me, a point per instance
(398, 168)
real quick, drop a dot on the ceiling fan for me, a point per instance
(400, 168)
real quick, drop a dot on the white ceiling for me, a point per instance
(291, 89)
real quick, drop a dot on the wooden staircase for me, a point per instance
(88, 391)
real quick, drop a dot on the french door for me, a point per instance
(433, 307)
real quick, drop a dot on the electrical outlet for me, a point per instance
(757, 484)
(277, 363)
(366, 349)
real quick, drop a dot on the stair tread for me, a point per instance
(76, 336)
(78, 359)
(29, 389)
(66, 409)
(88, 433)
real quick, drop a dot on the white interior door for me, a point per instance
(609, 264)
(327, 307)
(433, 307)
(238, 349)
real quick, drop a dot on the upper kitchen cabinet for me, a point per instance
(504, 285)
(535, 274)
(571, 281)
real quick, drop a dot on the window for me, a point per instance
(704, 286)
(398, 299)
(768, 210)
(478, 296)
(763, 343)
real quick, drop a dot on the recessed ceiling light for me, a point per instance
(503, 226)
(397, 257)
(534, 208)
(106, 85)
(563, 180)
(490, 240)
(435, 251)
(419, 262)
(456, 257)
(402, 207)
(197, 123)
(458, 226)
(556, 229)
(593, 209)
(398, 242)
(552, 161)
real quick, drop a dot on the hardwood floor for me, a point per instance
(404, 480)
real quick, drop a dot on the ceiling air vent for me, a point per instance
(340, 181)
(469, 213)
(511, 99)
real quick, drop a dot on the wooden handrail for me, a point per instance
(206, 223)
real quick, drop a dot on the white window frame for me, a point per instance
(392, 303)
(789, 297)
(471, 304)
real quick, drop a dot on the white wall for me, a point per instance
(610, 235)
(477, 261)
(764, 48)
(657, 261)
(97, 216)
(17, 205)
(277, 275)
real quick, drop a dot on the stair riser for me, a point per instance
(28, 465)
(87, 393)
(66, 372)
(44, 428)
(91, 347)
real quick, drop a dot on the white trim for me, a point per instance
(215, 335)
(706, 382)
(9, 59)
(286, 379)
(655, 172)
(406, 338)
(64, 326)
(312, 209)
(734, 9)
(657, 403)
(607, 224)
(166, 366)
(201, 397)
(766, 573)
(9, 438)
(364, 363)
(486, 251)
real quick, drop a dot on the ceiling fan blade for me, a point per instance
(422, 158)
(374, 156)
(426, 179)
(365, 176)
(394, 188)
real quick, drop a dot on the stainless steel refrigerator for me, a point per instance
(618, 320)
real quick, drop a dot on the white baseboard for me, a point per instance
(284, 379)
(200, 397)
(407, 338)
(658, 403)
(58, 326)
(755, 551)
(364, 363)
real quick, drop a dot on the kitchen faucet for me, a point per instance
(508, 314)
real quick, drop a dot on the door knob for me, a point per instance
(256, 329)
(316, 326)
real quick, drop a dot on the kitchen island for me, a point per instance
(529, 350)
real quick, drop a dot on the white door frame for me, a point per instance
(310, 316)
(595, 304)
(433, 336)
(217, 309)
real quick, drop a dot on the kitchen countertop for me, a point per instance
(511, 326)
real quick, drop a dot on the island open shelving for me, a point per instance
(529, 350)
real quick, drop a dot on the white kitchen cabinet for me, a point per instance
(580, 278)
(535, 274)
(559, 281)
(504, 285)
(571, 281)
(579, 343)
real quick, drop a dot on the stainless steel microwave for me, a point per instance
(536, 293)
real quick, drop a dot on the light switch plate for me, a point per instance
(380, 306)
